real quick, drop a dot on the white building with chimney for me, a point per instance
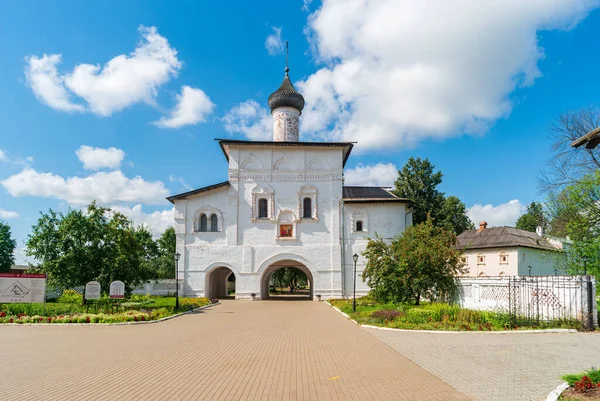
(508, 251)
(284, 204)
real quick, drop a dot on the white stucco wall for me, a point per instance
(248, 246)
(542, 262)
(386, 220)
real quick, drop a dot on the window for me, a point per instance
(262, 208)
(307, 203)
(307, 208)
(480, 259)
(503, 258)
(214, 223)
(359, 225)
(203, 223)
(482, 274)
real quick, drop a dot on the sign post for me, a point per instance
(117, 290)
(92, 290)
(27, 288)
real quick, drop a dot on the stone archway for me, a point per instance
(265, 277)
(217, 283)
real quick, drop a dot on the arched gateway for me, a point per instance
(220, 283)
(265, 277)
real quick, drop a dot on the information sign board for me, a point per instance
(92, 290)
(28, 288)
(117, 289)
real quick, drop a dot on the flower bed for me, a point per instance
(141, 311)
(583, 386)
(434, 316)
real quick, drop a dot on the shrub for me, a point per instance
(140, 298)
(70, 297)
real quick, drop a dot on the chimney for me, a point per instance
(482, 226)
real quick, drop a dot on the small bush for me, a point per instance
(70, 297)
(416, 315)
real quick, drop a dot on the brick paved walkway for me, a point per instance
(240, 350)
(496, 367)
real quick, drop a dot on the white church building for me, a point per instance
(284, 205)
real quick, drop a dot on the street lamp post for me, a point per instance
(529, 271)
(585, 258)
(177, 256)
(355, 258)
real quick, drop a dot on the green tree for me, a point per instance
(164, 263)
(533, 218)
(418, 182)
(7, 247)
(422, 262)
(575, 213)
(290, 277)
(98, 244)
(453, 216)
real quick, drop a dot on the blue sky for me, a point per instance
(472, 87)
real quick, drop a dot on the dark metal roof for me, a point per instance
(197, 191)
(227, 142)
(590, 140)
(352, 194)
(286, 96)
(499, 237)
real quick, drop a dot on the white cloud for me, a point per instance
(7, 214)
(122, 81)
(306, 5)
(2, 156)
(47, 85)
(158, 221)
(193, 105)
(180, 180)
(273, 43)
(97, 158)
(505, 214)
(378, 175)
(104, 187)
(250, 119)
(396, 72)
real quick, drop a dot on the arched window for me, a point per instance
(359, 225)
(307, 208)
(203, 223)
(214, 222)
(262, 208)
(503, 258)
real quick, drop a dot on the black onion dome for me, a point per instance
(286, 96)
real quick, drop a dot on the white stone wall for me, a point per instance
(385, 219)
(543, 298)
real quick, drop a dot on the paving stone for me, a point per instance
(239, 350)
(498, 367)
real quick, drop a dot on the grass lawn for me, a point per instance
(437, 317)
